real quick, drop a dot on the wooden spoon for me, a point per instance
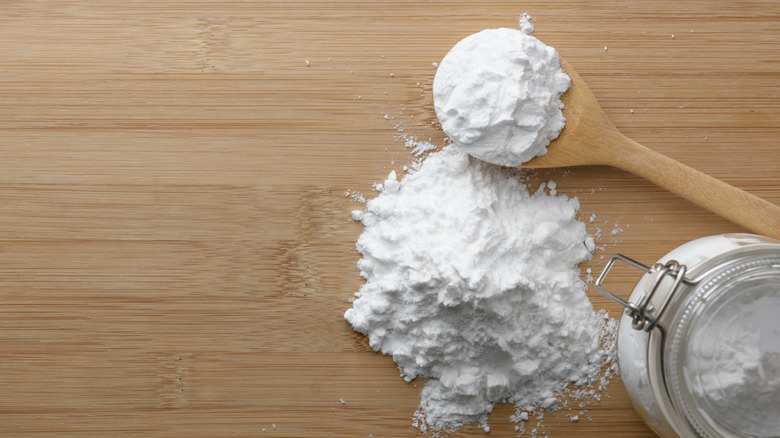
(589, 138)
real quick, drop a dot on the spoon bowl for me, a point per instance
(590, 138)
(581, 142)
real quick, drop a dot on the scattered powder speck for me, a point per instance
(519, 416)
(418, 147)
(355, 196)
(472, 282)
(526, 24)
(553, 186)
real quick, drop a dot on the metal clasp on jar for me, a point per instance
(644, 314)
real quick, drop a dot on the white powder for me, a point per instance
(733, 365)
(526, 24)
(418, 147)
(497, 95)
(473, 282)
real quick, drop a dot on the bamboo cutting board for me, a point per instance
(176, 250)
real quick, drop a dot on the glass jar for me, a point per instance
(699, 340)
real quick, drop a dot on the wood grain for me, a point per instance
(176, 250)
(590, 138)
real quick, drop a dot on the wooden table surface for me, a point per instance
(176, 250)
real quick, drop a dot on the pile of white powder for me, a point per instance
(497, 94)
(473, 282)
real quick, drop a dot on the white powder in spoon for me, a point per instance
(472, 282)
(497, 94)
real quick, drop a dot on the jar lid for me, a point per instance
(722, 366)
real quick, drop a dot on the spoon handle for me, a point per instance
(738, 206)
